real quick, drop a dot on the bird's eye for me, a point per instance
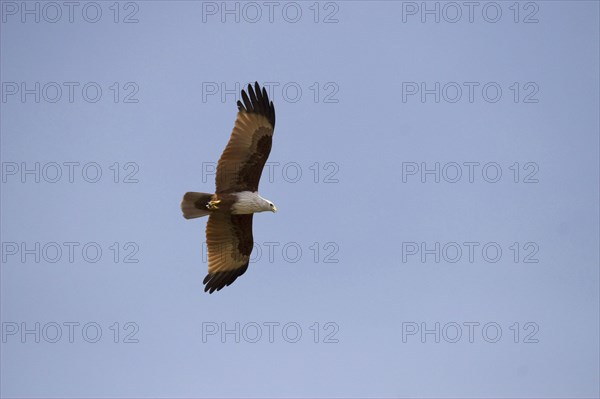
(271, 205)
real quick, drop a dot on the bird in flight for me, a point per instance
(231, 207)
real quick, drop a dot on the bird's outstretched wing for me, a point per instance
(229, 241)
(244, 157)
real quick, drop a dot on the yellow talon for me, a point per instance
(213, 204)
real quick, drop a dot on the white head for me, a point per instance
(267, 205)
(250, 202)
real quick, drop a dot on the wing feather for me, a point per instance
(249, 146)
(229, 241)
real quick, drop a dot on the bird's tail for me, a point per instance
(193, 205)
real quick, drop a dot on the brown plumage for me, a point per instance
(229, 228)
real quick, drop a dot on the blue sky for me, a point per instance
(436, 180)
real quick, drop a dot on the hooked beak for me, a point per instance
(274, 209)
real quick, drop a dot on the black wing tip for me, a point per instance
(217, 281)
(257, 101)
